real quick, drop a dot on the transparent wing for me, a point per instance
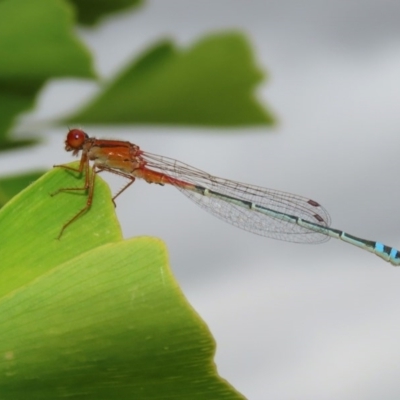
(242, 217)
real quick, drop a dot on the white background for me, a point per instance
(291, 321)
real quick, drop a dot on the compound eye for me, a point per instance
(75, 139)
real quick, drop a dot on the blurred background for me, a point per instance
(304, 322)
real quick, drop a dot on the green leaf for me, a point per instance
(90, 11)
(211, 83)
(11, 185)
(31, 221)
(8, 144)
(37, 43)
(92, 316)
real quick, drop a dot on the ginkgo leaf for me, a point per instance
(37, 43)
(11, 185)
(211, 83)
(90, 11)
(93, 316)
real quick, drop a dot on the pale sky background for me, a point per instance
(299, 322)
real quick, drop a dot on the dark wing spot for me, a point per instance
(313, 203)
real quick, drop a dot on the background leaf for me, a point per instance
(90, 11)
(36, 43)
(211, 83)
(91, 316)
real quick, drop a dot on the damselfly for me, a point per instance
(265, 212)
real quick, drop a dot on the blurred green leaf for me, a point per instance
(211, 83)
(90, 11)
(8, 143)
(37, 43)
(11, 185)
(91, 316)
